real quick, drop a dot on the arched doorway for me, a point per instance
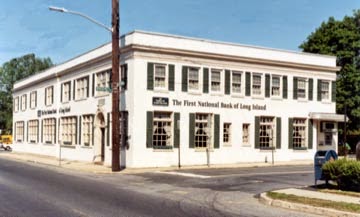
(99, 137)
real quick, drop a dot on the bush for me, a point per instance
(346, 173)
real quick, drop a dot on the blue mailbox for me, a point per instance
(321, 157)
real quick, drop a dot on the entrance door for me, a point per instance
(99, 138)
(102, 144)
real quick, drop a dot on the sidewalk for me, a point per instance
(312, 209)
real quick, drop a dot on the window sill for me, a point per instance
(192, 92)
(246, 145)
(227, 146)
(276, 98)
(258, 97)
(237, 95)
(269, 149)
(82, 99)
(300, 149)
(48, 144)
(67, 102)
(68, 146)
(49, 105)
(216, 94)
(204, 149)
(161, 90)
(163, 149)
(302, 100)
(326, 102)
(86, 147)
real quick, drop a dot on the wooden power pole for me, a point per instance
(115, 165)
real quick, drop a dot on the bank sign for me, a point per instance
(164, 101)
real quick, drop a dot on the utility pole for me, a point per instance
(115, 165)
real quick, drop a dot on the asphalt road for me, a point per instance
(32, 190)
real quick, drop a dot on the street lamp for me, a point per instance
(115, 164)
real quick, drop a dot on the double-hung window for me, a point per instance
(193, 79)
(267, 132)
(301, 88)
(82, 88)
(19, 128)
(325, 90)
(66, 92)
(16, 104)
(215, 80)
(87, 130)
(256, 84)
(203, 132)
(33, 131)
(33, 99)
(68, 130)
(103, 82)
(48, 130)
(275, 86)
(245, 134)
(227, 134)
(49, 95)
(299, 133)
(23, 102)
(160, 78)
(236, 82)
(162, 130)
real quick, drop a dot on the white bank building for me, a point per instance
(186, 101)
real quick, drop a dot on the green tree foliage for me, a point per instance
(341, 38)
(12, 71)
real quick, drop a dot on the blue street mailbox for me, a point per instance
(321, 157)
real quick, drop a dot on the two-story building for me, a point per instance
(187, 101)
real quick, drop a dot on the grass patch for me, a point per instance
(349, 207)
(346, 193)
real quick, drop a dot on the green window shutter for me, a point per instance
(295, 87)
(70, 91)
(227, 82)
(278, 133)
(319, 90)
(150, 76)
(27, 131)
(108, 130)
(191, 130)
(92, 130)
(176, 130)
(285, 87)
(206, 80)
(74, 90)
(37, 132)
(257, 132)
(247, 83)
(310, 135)
(311, 88)
(87, 87)
(216, 131)
(93, 85)
(80, 130)
(76, 131)
(184, 79)
(267, 85)
(171, 77)
(149, 129)
(291, 128)
(61, 93)
(55, 131)
(333, 91)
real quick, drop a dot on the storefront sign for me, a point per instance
(53, 111)
(222, 105)
(160, 101)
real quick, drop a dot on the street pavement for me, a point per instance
(28, 189)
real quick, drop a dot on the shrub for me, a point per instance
(346, 173)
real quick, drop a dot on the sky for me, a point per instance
(27, 26)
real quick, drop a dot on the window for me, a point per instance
(33, 99)
(203, 130)
(162, 130)
(23, 102)
(87, 130)
(325, 89)
(227, 134)
(16, 104)
(66, 92)
(160, 76)
(301, 88)
(267, 128)
(19, 128)
(328, 137)
(82, 88)
(215, 80)
(102, 82)
(245, 135)
(33, 131)
(193, 79)
(236, 82)
(48, 130)
(256, 84)
(299, 133)
(68, 130)
(49, 95)
(275, 86)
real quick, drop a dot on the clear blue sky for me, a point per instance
(27, 26)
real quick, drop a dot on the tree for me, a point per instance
(341, 38)
(12, 71)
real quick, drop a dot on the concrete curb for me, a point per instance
(305, 208)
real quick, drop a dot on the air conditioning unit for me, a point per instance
(328, 127)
